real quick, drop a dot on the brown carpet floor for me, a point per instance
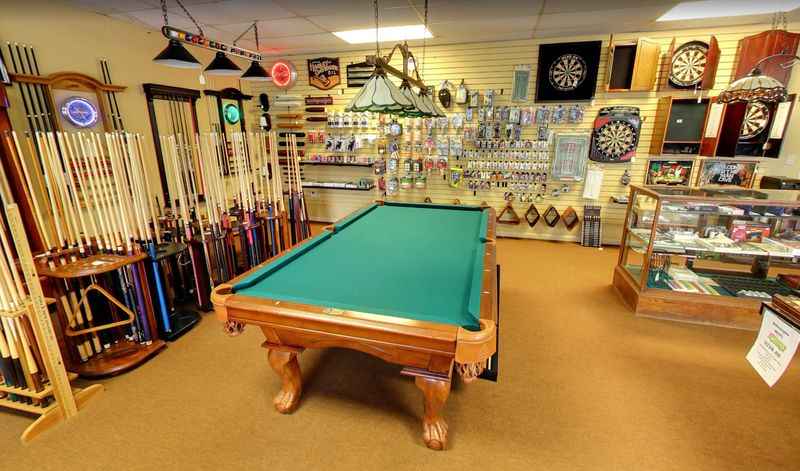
(584, 385)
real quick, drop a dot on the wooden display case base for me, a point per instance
(120, 358)
(722, 311)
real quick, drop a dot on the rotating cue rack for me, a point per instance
(34, 379)
(243, 220)
(95, 221)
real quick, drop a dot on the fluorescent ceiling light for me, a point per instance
(723, 8)
(385, 33)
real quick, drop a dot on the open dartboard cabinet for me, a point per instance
(754, 129)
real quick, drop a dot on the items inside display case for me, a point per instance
(742, 244)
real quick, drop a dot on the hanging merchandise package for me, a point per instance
(594, 180)
(461, 93)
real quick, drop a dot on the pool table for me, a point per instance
(413, 284)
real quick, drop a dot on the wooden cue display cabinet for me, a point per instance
(708, 255)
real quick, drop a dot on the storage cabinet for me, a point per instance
(633, 66)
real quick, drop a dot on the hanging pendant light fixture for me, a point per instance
(222, 65)
(175, 55)
(419, 110)
(255, 73)
(756, 86)
(380, 95)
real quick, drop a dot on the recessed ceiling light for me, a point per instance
(723, 8)
(386, 33)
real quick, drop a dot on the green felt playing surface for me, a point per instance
(417, 261)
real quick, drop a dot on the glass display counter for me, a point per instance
(708, 255)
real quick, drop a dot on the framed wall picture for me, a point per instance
(727, 173)
(4, 77)
(669, 172)
(522, 79)
(567, 71)
(570, 155)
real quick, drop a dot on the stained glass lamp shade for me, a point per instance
(756, 86)
(418, 110)
(380, 95)
(427, 105)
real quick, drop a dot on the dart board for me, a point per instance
(567, 71)
(688, 64)
(756, 119)
(616, 134)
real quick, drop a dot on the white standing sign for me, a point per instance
(774, 347)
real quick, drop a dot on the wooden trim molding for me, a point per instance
(69, 81)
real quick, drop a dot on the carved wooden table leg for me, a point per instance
(434, 428)
(285, 364)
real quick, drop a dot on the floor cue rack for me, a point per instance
(56, 400)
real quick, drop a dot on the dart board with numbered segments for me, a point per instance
(756, 120)
(567, 71)
(688, 64)
(616, 134)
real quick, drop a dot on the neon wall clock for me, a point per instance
(231, 113)
(284, 74)
(80, 112)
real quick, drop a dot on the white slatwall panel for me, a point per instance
(489, 66)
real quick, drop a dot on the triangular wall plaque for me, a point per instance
(508, 215)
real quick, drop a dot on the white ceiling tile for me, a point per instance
(235, 11)
(115, 6)
(275, 28)
(366, 19)
(337, 7)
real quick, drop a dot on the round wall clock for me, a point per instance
(616, 138)
(688, 64)
(284, 74)
(755, 121)
(80, 112)
(567, 72)
(231, 113)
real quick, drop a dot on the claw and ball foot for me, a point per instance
(434, 428)
(285, 364)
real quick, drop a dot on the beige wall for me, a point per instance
(70, 39)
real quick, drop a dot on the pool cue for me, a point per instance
(230, 255)
(153, 238)
(89, 231)
(63, 243)
(301, 194)
(198, 157)
(247, 200)
(211, 207)
(194, 148)
(214, 173)
(266, 194)
(118, 220)
(12, 289)
(106, 223)
(72, 206)
(124, 226)
(182, 203)
(45, 231)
